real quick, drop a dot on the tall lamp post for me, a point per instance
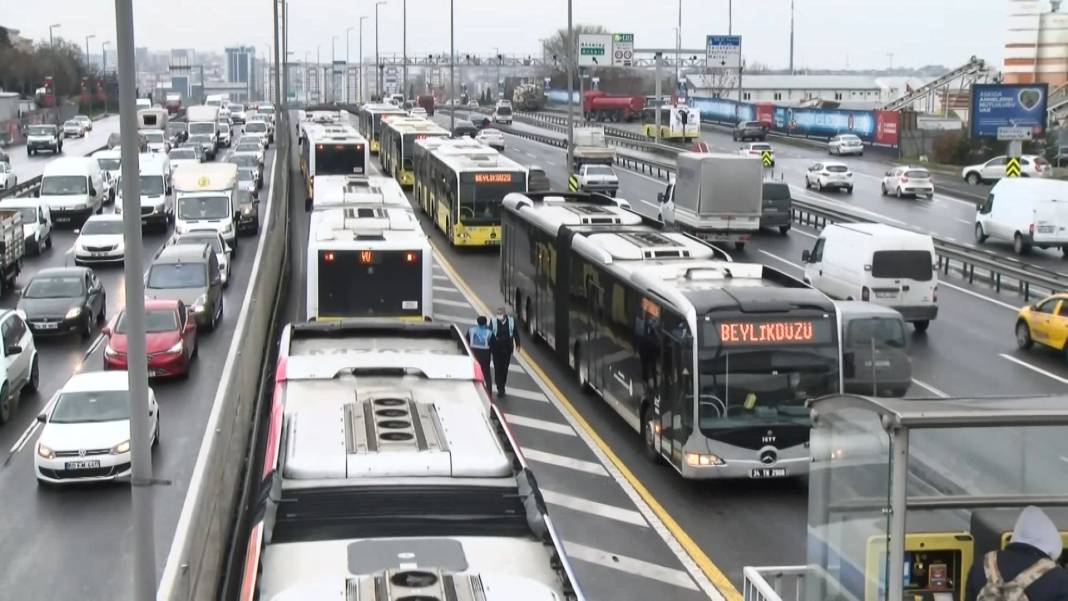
(404, 47)
(452, 67)
(346, 77)
(360, 70)
(378, 65)
(571, 64)
(87, 38)
(51, 40)
(333, 91)
(307, 80)
(104, 69)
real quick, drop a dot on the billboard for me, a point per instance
(595, 50)
(1001, 105)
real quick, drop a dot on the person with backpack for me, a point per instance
(1026, 569)
(478, 336)
(503, 342)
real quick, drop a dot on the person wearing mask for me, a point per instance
(503, 342)
(1025, 568)
(478, 336)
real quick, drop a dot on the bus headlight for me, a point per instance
(703, 460)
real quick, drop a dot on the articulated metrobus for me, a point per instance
(389, 475)
(710, 361)
(466, 187)
(420, 160)
(331, 151)
(398, 144)
(367, 255)
(677, 123)
(371, 121)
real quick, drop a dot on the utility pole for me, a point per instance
(659, 96)
(360, 71)
(87, 38)
(678, 50)
(285, 52)
(277, 59)
(378, 65)
(333, 83)
(348, 38)
(318, 75)
(104, 69)
(51, 40)
(144, 552)
(730, 17)
(571, 64)
(792, 37)
(307, 80)
(404, 48)
(452, 67)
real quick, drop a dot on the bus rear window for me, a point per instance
(339, 159)
(902, 264)
(370, 283)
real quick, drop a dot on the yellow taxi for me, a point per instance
(1045, 322)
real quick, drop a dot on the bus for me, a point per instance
(367, 255)
(398, 138)
(420, 161)
(710, 361)
(677, 123)
(330, 151)
(466, 187)
(388, 474)
(370, 121)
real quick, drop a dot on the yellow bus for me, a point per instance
(399, 135)
(370, 122)
(677, 123)
(463, 187)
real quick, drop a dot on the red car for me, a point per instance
(170, 339)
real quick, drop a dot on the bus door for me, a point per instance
(544, 305)
(675, 398)
(593, 350)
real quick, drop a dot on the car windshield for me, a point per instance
(177, 128)
(224, 128)
(183, 153)
(156, 320)
(41, 130)
(248, 146)
(91, 406)
(599, 170)
(109, 164)
(204, 207)
(177, 275)
(72, 123)
(59, 185)
(102, 227)
(837, 168)
(883, 332)
(850, 139)
(65, 286)
(255, 127)
(776, 191)
(200, 139)
(155, 137)
(504, 110)
(152, 185)
(246, 175)
(201, 128)
(244, 160)
(200, 240)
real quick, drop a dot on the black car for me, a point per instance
(61, 300)
(464, 128)
(537, 180)
(248, 212)
(749, 130)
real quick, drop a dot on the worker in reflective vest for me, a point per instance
(478, 336)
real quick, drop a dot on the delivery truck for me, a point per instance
(716, 197)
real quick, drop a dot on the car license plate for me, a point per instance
(891, 294)
(60, 218)
(45, 325)
(82, 465)
(767, 472)
(98, 254)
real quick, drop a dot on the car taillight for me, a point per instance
(865, 294)
(904, 180)
(1031, 229)
(934, 295)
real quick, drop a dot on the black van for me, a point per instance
(777, 208)
(875, 358)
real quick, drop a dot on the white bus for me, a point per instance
(389, 474)
(331, 151)
(367, 255)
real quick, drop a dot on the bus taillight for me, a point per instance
(410, 257)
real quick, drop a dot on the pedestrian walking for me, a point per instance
(1026, 568)
(478, 336)
(503, 342)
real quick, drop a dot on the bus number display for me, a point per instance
(758, 332)
(493, 178)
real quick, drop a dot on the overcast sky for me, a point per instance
(829, 33)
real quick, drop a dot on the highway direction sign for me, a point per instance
(1008, 134)
(723, 52)
(595, 50)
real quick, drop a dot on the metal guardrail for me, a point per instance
(756, 585)
(197, 557)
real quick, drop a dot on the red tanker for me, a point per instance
(598, 106)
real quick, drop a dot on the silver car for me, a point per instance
(844, 144)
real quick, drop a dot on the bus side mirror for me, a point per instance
(806, 256)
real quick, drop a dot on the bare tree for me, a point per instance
(555, 46)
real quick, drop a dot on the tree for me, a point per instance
(556, 45)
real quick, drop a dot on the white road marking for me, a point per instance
(516, 368)
(936, 391)
(978, 296)
(803, 233)
(594, 508)
(778, 258)
(630, 565)
(445, 289)
(452, 303)
(964, 221)
(438, 276)
(530, 154)
(538, 424)
(25, 437)
(454, 318)
(590, 467)
(93, 346)
(1034, 368)
(526, 394)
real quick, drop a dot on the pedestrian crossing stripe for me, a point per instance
(765, 157)
(572, 183)
(1012, 167)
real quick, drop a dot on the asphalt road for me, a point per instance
(969, 350)
(82, 534)
(28, 167)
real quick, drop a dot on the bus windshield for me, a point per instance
(339, 159)
(481, 195)
(757, 371)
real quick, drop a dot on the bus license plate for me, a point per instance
(768, 472)
(82, 465)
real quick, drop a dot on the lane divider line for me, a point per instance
(927, 386)
(1034, 368)
(571, 463)
(602, 510)
(778, 258)
(707, 574)
(538, 424)
(629, 565)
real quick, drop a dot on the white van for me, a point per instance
(73, 188)
(204, 197)
(36, 221)
(877, 263)
(157, 206)
(1026, 211)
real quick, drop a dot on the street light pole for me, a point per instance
(51, 41)
(570, 63)
(360, 71)
(333, 91)
(87, 38)
(378, 65)
(104, 58)
(285, 52)
(318, 75)
(307, 80)
(277, 59)
(678, 51)
(452, 66)
(404, 47)
(346, 78)
(137, 362)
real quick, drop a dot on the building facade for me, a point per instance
(241, 69)
(1036, 44)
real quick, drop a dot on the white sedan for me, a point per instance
(908, 181)
(829, 174)
(86, 433)
(757, 150)
(492, 138)
(75, 129)
(8, 179)
(100, 240)
(845, 144)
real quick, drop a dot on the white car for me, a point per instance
(184, 155)
(210, 238)
(36, 221)
(86, 433)
(74, 129)
(8, 179)
(418, 111)
(251, 145)
(757, 150)
(843, 144)
(238, 114)
(100, 240)
(492, 138)
(156, 140)
(258, 127)
(19, 371)
(84, 120)
(248, 179)
(991, 171)
(829, 174)
(908, 181)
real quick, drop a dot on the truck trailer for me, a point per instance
(716, 197)
(599, 106)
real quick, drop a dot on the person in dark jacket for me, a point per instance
(503, 342)
(1034, 538)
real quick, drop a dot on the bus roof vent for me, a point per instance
(389, 423)
(594, 214)
(655, 245)
(415, 584)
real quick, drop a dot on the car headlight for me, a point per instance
(229, 226)
(177, 348)
(74, 312)
(122, 447)
(45, 451)
(247, 210)
(198, 305)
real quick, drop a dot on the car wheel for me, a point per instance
(921, 326)
(973, 179)
(784, 229)
(808, 184)
(1019, 246)
(898, 193)
(102, 317)
(155, 435)
(87, 327)
(980, 237)
(882, 188)
(849, 190)
(739, 246)
(48, 241)
(5, 404)
(1023, 335)
(819, 184)
(34, 383)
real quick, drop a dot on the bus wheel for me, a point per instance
(649, 448)
(528, 321)
(583, 376)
